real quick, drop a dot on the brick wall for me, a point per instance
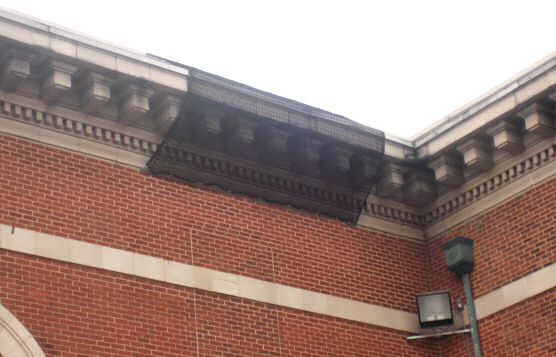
(511, 241)
(70, 309)
(525, 329)
(78, 311)
(70, 195)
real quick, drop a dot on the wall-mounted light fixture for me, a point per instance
(435, 309)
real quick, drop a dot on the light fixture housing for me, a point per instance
(435, 309)
(459, 255)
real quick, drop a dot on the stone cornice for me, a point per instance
(85, 95)
(273, 184)
(63, 42)
(474, 197)
(516, 90)
(394, 213)
(284, 111)
(488, 191)
(134, 95)
(68, 43)
(470, 194)
(505, 132)
(63, 131)
(480, 188)
(279, 162)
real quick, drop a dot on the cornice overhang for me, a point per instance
(61, 71)
(82, 94)
(502, 150)
(522, 88)
(39, 33)
(239, 138)
(268, 147)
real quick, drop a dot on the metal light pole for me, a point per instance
(459, 259)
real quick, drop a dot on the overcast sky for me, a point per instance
(397, 66)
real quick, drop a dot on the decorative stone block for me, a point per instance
(239, 134)
(335, 162)
(539, 119)
(15, 67)
(207, 130)
(273, 145)
(448, 169)
(552, 97)
(166, 111)
(304, 154)
(134, 103)
(507, 136)
(419, 189)
(390, 180)
(364, 169)
(95, 92)
(57, 80)
(477, 153)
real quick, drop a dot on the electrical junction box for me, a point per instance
(459, 255)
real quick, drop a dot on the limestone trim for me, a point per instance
(117, 260)
(395, 214)
(93, 138)
(502, 99)
(39, 33)
(88, 138)
(487, 191)
(516, 175)
(517, 291)
(246, 177)
(401, 231)
(135, 264)
(15, 339)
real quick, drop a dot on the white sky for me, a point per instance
(397, 66)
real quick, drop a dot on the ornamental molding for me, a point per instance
(279, 186)
(67, 126)
(400, 215)
(15, 339)
(427, 223)
(211, 167)
(241, 152)
(80, 94)
(282, 110)
(476, 191)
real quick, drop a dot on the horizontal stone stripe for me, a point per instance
(117, 260)
(519, 290)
